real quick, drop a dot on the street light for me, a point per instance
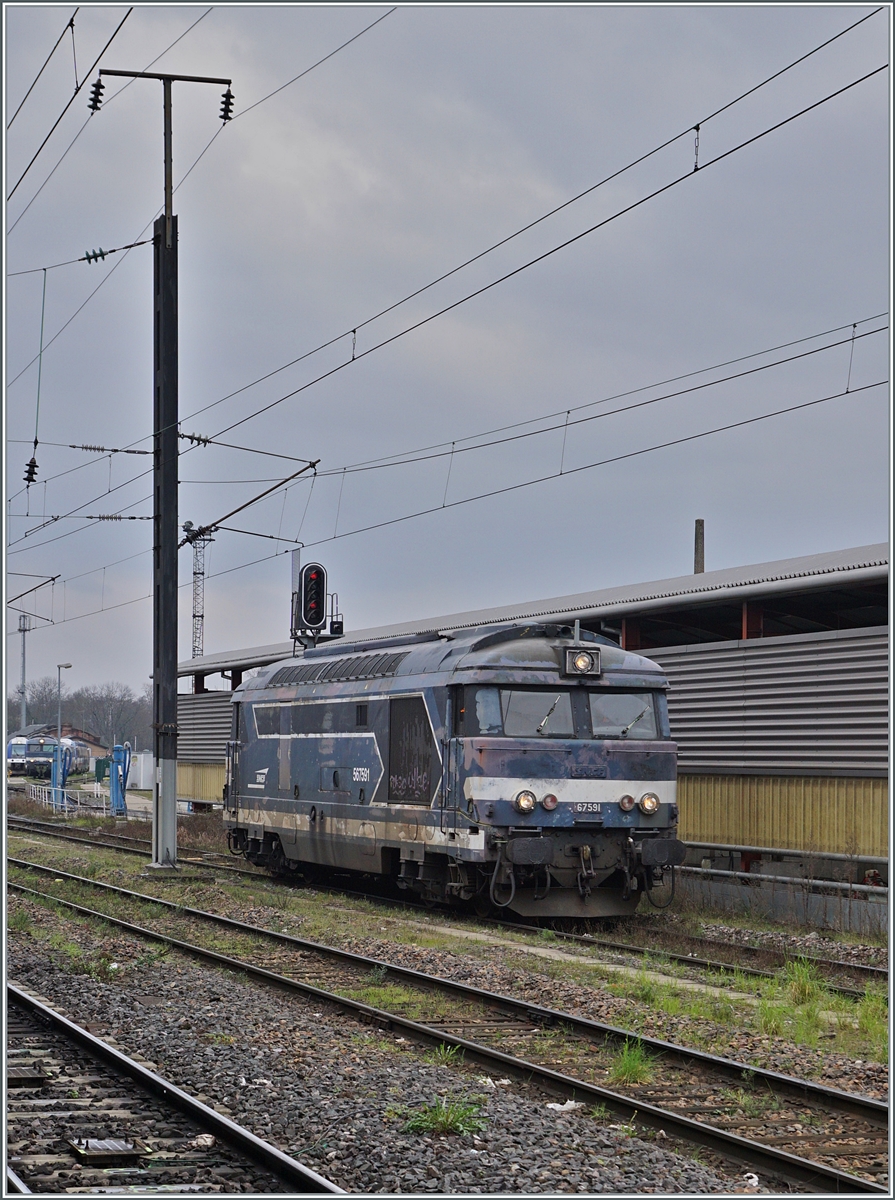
(60, 667)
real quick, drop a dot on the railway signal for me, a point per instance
(312, 597)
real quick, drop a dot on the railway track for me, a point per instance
(82, 1118)
(793, 1129)
(842, 978)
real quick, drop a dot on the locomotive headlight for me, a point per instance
(549, 801)
(582, 662)
(525, 802)
(626, 803)
(649, 803)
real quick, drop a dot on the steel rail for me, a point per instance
(288, 1170)
(864, 1106)
(47, 829)
(15, 1184)
(870, 972)
(779, 1163)
(711, 964)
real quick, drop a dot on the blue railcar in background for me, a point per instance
(520, 767)
(31, 756)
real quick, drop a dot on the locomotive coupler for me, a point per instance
(586, 872)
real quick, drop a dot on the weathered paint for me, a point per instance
(438, 801)
(840, 815)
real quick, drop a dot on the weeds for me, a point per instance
(632, 1064)
(645, 989)
(802, 982)
(448, 1114)
(599, 1111)
(750, 1104)
(770, 1018)
(20, 921)
(378, 974)
(446, 1056)
(627, 1128)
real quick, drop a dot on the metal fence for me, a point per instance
(66, 800)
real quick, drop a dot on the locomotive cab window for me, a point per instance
(624, 715)
(517, 712)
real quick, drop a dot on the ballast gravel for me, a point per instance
(333, 1092)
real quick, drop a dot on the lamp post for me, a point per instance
(60, 667)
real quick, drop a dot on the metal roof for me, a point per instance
(834, 568)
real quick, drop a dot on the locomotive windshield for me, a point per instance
(623, 714)
(557, 713)
(536, 714)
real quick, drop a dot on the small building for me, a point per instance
(778, 700)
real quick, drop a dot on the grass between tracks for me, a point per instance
(794, 1006)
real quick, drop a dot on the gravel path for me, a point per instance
(330, 1090)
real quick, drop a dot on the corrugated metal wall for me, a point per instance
(842, 815)
(200, 781)
(810, 704)
(203, 727)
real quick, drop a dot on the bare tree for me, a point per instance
(111, 712)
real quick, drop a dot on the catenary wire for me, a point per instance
(69, 104)
(531, 224)
(586, 467)
(513, 488)
(403, 462)
(401, 456)
(177, 186)
(332, 341)
(106, 103)
(69, 24)
(595, 416)
(84, 258)
(548, 253)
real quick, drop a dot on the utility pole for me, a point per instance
(165, 429)
(24, 627)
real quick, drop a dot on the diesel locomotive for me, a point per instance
(527, 768)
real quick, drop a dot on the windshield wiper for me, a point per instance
(631, 724)
(540, 728)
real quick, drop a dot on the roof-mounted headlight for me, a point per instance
(583, 662)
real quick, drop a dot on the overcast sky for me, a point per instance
(435, 134)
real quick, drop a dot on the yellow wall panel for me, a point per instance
(839, 815)
(200, 781)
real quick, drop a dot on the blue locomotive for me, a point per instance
(31, 756)
(520, 767)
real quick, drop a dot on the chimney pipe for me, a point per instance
(699, 548)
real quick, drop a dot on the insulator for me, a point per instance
(96, 95)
